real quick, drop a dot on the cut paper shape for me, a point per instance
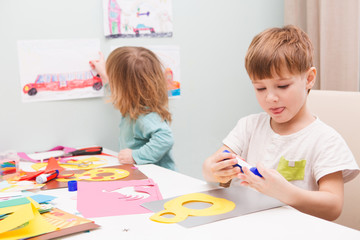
(24, 220)
(62, 219)
(176, 208)
(246, 201)
(130, 193)
(56, 151)
(98, 174)
(20, 186)
(41, 198)
(10, 195)
(134, 174)
(86, 163)
(85, 227)
(116, 197)
(51, 167)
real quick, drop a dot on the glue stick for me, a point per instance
(45, 177)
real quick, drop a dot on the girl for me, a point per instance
(139, 90)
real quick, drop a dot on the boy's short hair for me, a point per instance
(277, 48)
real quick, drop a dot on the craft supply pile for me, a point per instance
(27, 211)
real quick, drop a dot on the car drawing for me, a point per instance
(63, 82)
(142, 27)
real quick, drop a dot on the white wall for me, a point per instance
(213, 37)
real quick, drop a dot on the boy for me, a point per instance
(304, 162)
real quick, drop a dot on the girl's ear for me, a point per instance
(310, 78)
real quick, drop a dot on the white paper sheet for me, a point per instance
(137, 18)
(60, 61)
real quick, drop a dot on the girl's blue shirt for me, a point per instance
(150, 138)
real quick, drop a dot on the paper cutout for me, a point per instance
(9, 195)
(98, 174)
(62, 219)
(246, 200)
(112, 199)
(20, 186)
(56, 151)
(24, 220)
(85, 227)
(41, 198)
(130, 193)
(51, 167)
(176, 208)
(86, 163)
(135, 174)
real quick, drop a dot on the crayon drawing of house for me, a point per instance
(114, 17)
(137, 18)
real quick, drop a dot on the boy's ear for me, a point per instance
(310, 78)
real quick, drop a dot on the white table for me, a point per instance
(278, 223)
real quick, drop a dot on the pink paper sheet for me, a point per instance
(101, 199)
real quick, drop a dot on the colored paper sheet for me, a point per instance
(19, 186)
(41, 198)
(135, 174)
(66, 231)
(100, 199)
(66, 223)
(62, 219)
(246, 200)
(24, 221)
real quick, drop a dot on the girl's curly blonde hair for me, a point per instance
(137, 82)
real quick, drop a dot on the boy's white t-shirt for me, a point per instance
(302, 157)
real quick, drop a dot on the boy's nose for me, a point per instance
(271, 97)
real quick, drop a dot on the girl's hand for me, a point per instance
(99, 66)
(125, 156)
(272, 183)
(216, 169)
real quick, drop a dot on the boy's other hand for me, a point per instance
(272, 183)
(219, 167)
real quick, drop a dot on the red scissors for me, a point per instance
(84, 151)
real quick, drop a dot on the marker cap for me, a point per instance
(72, 186)
(41, 179)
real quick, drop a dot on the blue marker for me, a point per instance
(241, 163)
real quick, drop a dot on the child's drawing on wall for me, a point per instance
(169, 55)
(58, 69)
(137, 18)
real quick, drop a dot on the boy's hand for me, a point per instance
(125, 156)
(99, 66)
(216, 169)
(272, 183)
